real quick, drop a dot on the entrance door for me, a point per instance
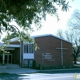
(0, 59)
(8, 58)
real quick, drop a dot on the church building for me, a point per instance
(52, 51)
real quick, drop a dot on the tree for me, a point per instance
(74, 21)
(73, 35)
(26, 12)
(70, 35)
(60, 34)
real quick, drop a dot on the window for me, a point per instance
(25, 48)
(28, 63)
(28, 48)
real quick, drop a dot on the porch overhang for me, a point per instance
(12, 47)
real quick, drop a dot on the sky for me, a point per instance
(51, 26)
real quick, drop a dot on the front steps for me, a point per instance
(2, 67)
(12, 66)
(9, 66)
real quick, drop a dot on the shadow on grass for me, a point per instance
(4, 73)
(8, 76)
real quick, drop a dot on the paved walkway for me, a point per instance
(18, 71)
(27, 70)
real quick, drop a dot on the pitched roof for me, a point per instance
(50, 35)
(16, 39)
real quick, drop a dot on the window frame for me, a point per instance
(28, 49)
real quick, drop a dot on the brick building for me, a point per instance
(52, 51)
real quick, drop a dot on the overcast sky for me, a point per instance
(50, 26)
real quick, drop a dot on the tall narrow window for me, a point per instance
(28, 48)
(25, 48)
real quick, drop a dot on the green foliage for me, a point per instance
(4, 73)
(22, 36)
(26, 12)
(74, 23)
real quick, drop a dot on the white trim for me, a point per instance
(8, 48)
(61, 48)
(13, 45)
(28, 56)
(28, 42)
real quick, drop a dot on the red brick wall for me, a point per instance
(48, 44)
(68, 58)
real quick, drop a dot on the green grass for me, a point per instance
(4, 73)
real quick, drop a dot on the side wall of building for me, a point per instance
(67, 53)
(49, 44)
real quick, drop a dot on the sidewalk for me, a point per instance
(18, 71)
(27, 70)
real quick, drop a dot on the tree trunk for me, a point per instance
(74, 59)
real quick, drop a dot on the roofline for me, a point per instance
(13, 45)
(50, 35)
(16, 39)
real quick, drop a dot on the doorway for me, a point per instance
(6, 58)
